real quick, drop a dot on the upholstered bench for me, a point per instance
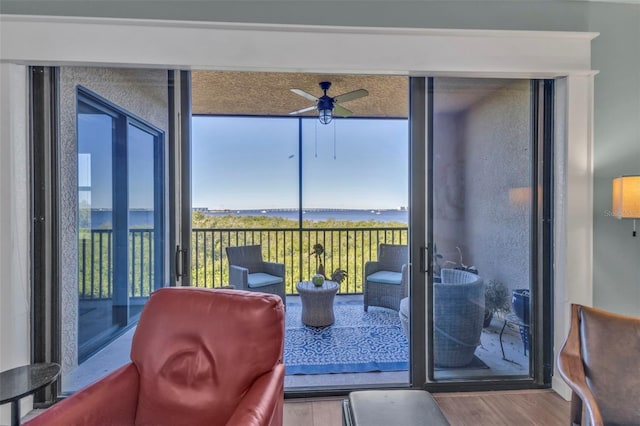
(392, 407)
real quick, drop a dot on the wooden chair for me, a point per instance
(600, 361)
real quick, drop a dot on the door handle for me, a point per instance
(424, 256)
(180, 260)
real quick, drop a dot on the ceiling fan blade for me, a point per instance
(349, 96)
(305, 94)
(341, 111)
(300, 111)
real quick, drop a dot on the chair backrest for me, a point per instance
(392, 256)
(249, 257)
(198, 351)
(610, 351)
(457, 276)
(460, 293)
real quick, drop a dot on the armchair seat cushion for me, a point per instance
(385, 277)
(260, 279)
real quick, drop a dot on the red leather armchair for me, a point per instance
(198, 357)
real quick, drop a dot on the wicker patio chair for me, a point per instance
(385, 280)
(247, 271)
(458, 316)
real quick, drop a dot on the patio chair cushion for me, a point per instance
(385, 277)
(260, 279)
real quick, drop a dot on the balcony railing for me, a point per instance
(345, 248)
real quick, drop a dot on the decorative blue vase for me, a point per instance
(520, 302)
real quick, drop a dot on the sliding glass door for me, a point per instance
(113, 208)
(487, 191)
(120, 210)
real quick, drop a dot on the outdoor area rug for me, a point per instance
(357, 342)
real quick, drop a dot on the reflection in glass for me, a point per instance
(142, 214)
(482, 176)
(95, 227)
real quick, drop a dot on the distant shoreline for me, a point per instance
(100, 218)
(317, 215)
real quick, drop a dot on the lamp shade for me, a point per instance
(626, 197)
(520, 196)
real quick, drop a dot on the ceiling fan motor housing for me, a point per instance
(325, 85)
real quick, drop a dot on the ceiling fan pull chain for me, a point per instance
(334, 139)
(316, 140)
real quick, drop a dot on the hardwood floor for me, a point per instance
(518, 408)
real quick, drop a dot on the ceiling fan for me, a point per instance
(328, 106)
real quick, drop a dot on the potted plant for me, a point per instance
(439, 264)
(318, 279)
(496, 300)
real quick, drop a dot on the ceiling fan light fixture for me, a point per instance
(325, 104)
(325, 115)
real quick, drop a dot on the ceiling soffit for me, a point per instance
(269, 94)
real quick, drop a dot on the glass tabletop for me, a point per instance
(25, 380)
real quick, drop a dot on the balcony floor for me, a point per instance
(117, 352)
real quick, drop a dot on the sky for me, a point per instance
(95, 162)
(241, 163)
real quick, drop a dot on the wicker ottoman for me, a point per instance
(392, 407)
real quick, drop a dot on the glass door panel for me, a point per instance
(145, 226)
(354, 193)
(355, 207)
(112, 163)
(482, 166)
(95, 228)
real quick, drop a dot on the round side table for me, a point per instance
(317, 302)
(19, 382)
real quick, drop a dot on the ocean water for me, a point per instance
(401, 216)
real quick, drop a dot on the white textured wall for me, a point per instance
(481, 153)
(497, 139)
(448, 182)
(143, 93)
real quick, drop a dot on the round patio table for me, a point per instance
(317, 302)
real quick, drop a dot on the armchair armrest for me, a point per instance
(263, 403)
(571, 369)
(239, 277)
(112, 400)
(273, 268)
(405, 280)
